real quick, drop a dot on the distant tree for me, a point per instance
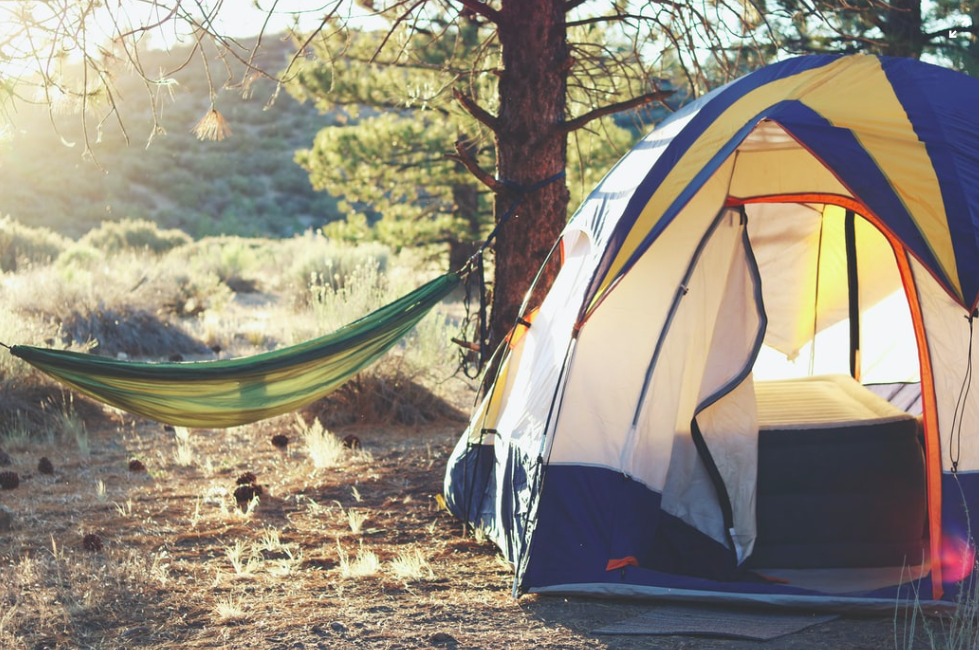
(943, 31)
(388, 162)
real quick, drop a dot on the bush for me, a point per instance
(22, 246)
(78, 256)
(134, 234)
(318, 262)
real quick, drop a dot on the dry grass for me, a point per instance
(182, 567)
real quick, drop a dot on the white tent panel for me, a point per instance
(889, 351)
(730, 428)
(785, 238)
(729, 424)
(801, 251)
(616, 344)
(674, 388)
(545, 344)
(948, 333)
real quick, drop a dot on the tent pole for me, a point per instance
(853, 285)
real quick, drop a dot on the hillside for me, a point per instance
(247, 184)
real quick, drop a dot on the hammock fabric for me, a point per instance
(232, 392)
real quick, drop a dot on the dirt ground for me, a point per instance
(176, 563)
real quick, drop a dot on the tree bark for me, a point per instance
(530, 147)
(467, 206)
(903, 34)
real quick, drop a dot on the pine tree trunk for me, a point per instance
(529, 148)
(903, 30)
(462, 247)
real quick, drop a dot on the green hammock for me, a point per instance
(232, 392)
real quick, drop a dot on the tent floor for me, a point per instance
(848, 580)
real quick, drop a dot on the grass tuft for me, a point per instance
(411, 566)
(229, 610)
(364, 565)
(324, 448)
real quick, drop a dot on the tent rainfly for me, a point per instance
(751, 378)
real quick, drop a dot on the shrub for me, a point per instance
(236, 261)
(134, 234)
(22, 246)
(78, 256)
(320, 263)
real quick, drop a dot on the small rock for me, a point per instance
(6, 519)
(9, 480)
(318, 630)
(169, 428)
(441, 638)
(337, 626)
(45, 466)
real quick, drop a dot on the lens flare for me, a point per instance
(958, 558)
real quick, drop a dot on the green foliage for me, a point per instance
(387, 164)
(134, 234)
(23, 246)
(942, 32)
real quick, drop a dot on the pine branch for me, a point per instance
(478, 112)
(481, 9)
(605, 19)
(949, 32)
(464, 158)
(610, 109)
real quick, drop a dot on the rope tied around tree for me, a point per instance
(474, 355)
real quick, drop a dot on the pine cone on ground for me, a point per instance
(92, 542)
(280, 441)
(9, 480)
(45, 466)
(136, 465)
(245, 494)
(248, 478)
(351, 442)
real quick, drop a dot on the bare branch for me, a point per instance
(464, 158)
(400, 19)
(604, 19)
(478, 112)
(481, 9)
(611, 109)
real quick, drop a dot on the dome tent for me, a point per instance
(821, 211)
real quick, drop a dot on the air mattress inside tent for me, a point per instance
(841, 477)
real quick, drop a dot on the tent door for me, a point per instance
(710, 483)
